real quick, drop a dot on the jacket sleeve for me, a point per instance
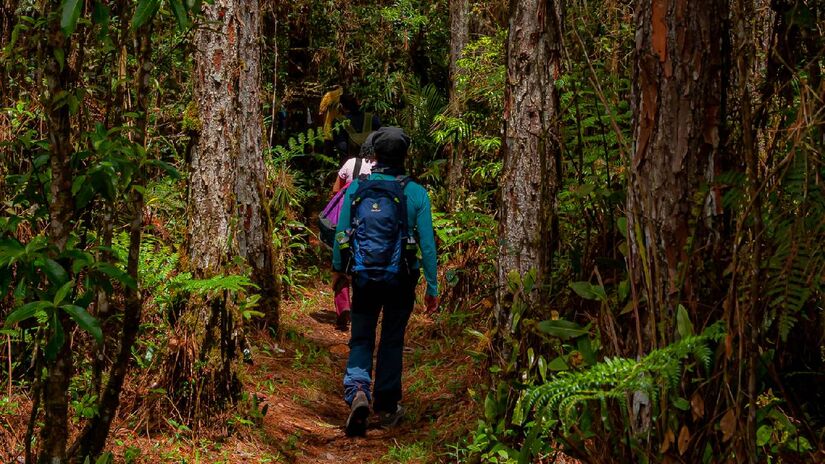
(343, 225)
(426, 241)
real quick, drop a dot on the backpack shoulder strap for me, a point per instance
(403, 181)
(356, 172)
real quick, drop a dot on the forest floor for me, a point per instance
(292, 410)
(298, 380)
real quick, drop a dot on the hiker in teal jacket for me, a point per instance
(396, 300)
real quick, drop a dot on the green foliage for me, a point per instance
(794, 232)
(481, 74)
(557, 401)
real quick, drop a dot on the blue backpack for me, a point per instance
(378, 242)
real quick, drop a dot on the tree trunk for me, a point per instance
(93, 439)
(227, 215)
(677, 118)
(254, 234)
(531, 147)
(677, 98)
(459, 37)
(54, 433)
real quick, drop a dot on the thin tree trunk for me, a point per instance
(254, 234)
(93, 439)
(54, 433)
(531, 147)
(677, 116)
(459, 37)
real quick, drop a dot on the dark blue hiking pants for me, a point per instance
(368, 301)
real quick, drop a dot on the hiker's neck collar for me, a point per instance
(380, 168)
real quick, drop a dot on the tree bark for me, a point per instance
(254, 235)
(459, 37)
(677, 97)
(226, 203)
(531, 176)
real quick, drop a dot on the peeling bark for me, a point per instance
(677, 120)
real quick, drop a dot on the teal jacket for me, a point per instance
(419, 218)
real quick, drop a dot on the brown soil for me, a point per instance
(297, 381)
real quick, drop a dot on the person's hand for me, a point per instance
(430, 304)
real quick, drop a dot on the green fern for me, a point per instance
(614, 379)
(796, 257)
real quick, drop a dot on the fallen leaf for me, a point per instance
(697, 406)
(668, 440)
(728, 425)
(684, 439)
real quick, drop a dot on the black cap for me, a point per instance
(390, 145)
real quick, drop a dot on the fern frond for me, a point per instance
(615, 379)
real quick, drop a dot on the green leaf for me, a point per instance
(529, 280)
(26, 311)
(85, 321)
(63, 292)
(763, 435)
(624, 290)
(558, 364)
(589, 291)
(563, 329)
(168, 168)
(10, 249)
(681, 403)
(621, 224)
(490, 408)
(585, 347)
(513, 281)
(54, 271)
(683, 325)
(101, 13)
(60, 57)
(542, 368)
(57, 339)
(180, 14)
(71, 13)
(144, 12)
(116, 274)
(77, 183)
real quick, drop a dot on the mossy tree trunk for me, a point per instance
(227, 213)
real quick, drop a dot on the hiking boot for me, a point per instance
(389, 420)
(357, 420)
(342, 321)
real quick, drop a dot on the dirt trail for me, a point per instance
(300, 381)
